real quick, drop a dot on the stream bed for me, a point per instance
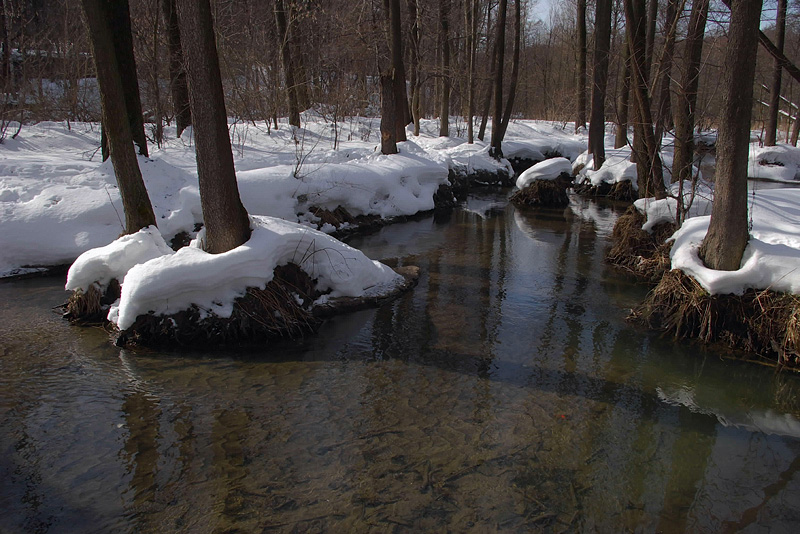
(504, 393)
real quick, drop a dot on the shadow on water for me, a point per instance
(504, 393)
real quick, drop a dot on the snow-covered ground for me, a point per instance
(58, 200)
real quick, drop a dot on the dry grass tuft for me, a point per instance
(91, 306)
(764, 323)
(544, 193)
(642, 253)
(281, 310)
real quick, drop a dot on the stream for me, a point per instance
(505, 392)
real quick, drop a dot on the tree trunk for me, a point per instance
(724, 244)
(621, 138)
(487, 102)
(413, 15)
(471, 12)
(686, 101)
(512, 85)
(5, 57)
(495, 148)
(135, 200)
(650, 39)
(286, 63)
(398, 71)
(645, 148)
(580, 122)
(227, 225)
(120, 20)
(177, 72)
(388, 115)
(664, 108)
(770, 135)
(298, 59)
(444, 78)
(602, 43)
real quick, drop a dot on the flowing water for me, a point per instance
(504, 393)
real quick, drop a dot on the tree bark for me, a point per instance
(727, 236)
(580, 122)
(602, 43)
(177, 72)
(650, 39)
(770, 135)
(399, 71)
(286, 63)
(687, 94)
(664, 107)
(227, 225)
(648, 161)
(495, 148)
(135, 200)
(489, 86)
(444, 75)
(388, 115)
(413, 15)
(471, 12)
(120, 20)
(623, 104)
(512, 85)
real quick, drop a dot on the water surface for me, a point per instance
(504, 393)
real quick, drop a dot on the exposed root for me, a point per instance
(545, 193)
(764, 322)
(91, 306)
(644, 254)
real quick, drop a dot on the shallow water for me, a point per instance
(504, 393)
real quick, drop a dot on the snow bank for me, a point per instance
(616, 168)
(666, 210)
(173, 282)
(771, 259)
(114, 260)
(549, 169)
(780, 163)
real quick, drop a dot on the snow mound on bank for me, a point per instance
(779, 163)
(114, 260)
(666, 210)
(175, 281)
(549, 169)
(771, 259)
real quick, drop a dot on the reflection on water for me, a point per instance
(504, 393)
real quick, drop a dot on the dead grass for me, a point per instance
(764, 323)
(644, 254)
(281, 310)
(544, 193)
(617, 191)
(91, 306)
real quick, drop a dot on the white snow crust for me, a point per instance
(549, 169)
(173, 282)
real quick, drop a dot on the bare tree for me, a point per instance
(770, 134)
(686, 100)
(727, 236)
(177, 73)
(580, 122)
(602, 43)
(135, 200)
(495, 149)
(226, 222)
(471, 23)
(645, 148)
(444, 74)
(286, 63)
